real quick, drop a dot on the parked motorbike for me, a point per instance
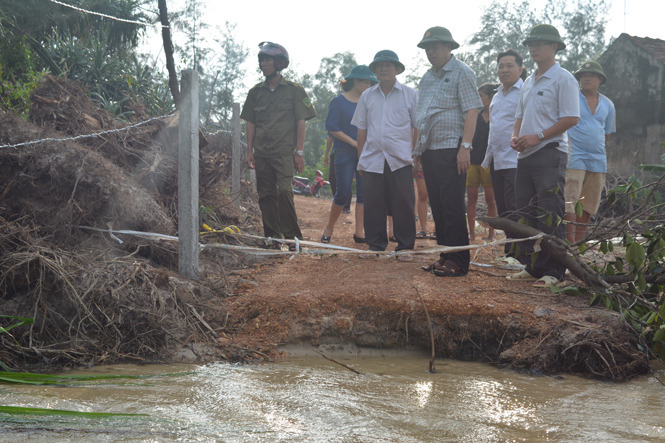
(319, 188)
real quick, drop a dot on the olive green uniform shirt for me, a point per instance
(275, 114)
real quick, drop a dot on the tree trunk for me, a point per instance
(212, 91)
(168, 51)
(549, 244)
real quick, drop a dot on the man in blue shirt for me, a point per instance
(585, 177)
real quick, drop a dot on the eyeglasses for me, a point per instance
(538, 44)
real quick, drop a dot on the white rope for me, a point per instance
(79, 137)
(106, 15)
(322, 248)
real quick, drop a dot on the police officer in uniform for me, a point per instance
(275, 111)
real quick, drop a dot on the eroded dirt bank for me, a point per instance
(345, 299)
(97, 300)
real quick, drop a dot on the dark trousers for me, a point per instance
(539, 186)
(332, 178)
(503, 182)
(446, 189)
(273, 184)
(392, 189)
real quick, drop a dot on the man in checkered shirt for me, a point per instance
(448, 104)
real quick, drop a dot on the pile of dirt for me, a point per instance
(93, 298)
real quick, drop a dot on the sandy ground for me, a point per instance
(336, 299)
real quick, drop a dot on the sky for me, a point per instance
(311, 30)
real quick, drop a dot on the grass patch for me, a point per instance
(51, 379)
(16, 410)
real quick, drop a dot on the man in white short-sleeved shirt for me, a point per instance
(386, 121)
(500, 157)
(548, 107)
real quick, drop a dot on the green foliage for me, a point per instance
(655, 168)
(71, 380)
(17, 410)
(505, 24)
(208, 216)
(22, 321)
(17, 74)
(643, 260)
(219, 92)
(115, 79)
(40, 19)
(15, 96)
(322, 88)
(37, 35)
(310, 171)
(634, 193)
(112, 106)
(192, 23)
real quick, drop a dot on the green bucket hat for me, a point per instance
(362, 72)
(386, 56)
(594, 67)
(438, 34)
(544, 33)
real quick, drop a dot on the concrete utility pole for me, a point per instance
(188, 176)
(236, 154)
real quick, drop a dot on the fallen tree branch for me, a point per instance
(335, 361)
(432, 368)
(549, 243)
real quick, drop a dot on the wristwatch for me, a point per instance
(541, 136)
(299, 153)
(468, 146)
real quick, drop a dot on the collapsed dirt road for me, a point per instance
(330, 299)
(95, 299)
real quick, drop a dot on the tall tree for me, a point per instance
(322, 88)
(228, 73)
(192, 21)
(168, 52)
(40, 19)
(505, 24)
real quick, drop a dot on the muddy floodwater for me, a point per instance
(310, 399)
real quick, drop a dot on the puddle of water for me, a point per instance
(309, 399)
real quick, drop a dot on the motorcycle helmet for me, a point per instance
(278, 52)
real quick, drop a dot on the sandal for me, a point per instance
(358, 239)
(432, 266)
(432, 236)
(546, 281)
(448, 269)
(422, 235)
(325, 239)
(508, 261)
(393, 239)
(521, 276)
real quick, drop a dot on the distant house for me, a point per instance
(635, 69)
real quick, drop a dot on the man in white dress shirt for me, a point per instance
(500, 157)
(386, 121)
